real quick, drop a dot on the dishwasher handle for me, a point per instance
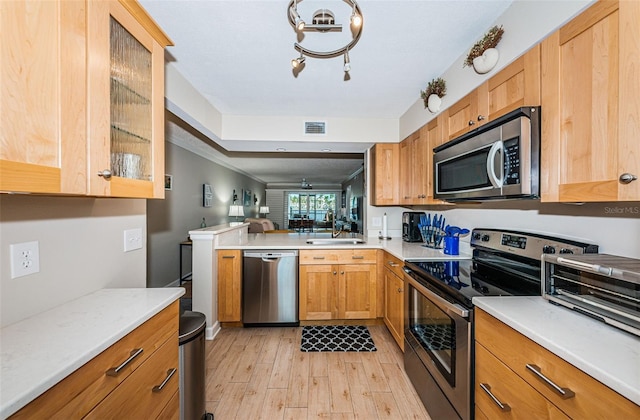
(269, 255)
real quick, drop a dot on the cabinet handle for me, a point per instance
(342, 272)
(564, 393)
(406, 197)
(335, 272)
(627, 178)
(471, 122)
(228, 256)
(392, 264)
(106, 174)
(115, 371)
(399, 289)
(481, 117)
(503, 407)
(318, 258)
(358, 257)
(170, 373)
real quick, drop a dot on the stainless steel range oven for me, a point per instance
(439, 354)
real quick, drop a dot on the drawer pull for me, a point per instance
(170, 373)
(564, 393)
(318, 258)
(503, 407)
(392, 264)
(358, 257)
(228, 256)
(115, 371)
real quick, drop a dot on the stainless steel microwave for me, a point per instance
(500, 160)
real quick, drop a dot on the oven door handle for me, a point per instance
(442, 303)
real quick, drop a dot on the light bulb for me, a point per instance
(356, 18)
(297, 62)
(299, 24)
(347, 63)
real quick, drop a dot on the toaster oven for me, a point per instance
(604, 287)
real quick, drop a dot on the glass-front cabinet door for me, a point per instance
(126, 101)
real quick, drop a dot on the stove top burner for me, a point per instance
(459, 278)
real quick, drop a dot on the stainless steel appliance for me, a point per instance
(439, 354)
(410, 229)
(604, 287)
(270, 288)
(499, 160)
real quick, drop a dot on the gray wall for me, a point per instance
(170, 220)
(80, 242)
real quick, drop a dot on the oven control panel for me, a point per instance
(527, 244)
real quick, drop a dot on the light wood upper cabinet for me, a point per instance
(591, 106)
(414, 164)
(82, 94)
(465, 115)
(126, 101)
(229, 285)
(385, 167)
(43, 97)
(515, 86)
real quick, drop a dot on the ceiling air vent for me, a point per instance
(315, 127)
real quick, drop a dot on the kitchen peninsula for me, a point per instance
(234, 236)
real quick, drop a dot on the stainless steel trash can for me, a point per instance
(192, 370)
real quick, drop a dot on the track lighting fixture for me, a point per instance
(324, 21)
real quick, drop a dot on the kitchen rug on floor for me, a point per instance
(336, 338)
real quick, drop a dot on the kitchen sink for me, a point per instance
(336, 241)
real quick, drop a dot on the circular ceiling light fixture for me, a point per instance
(324, 21)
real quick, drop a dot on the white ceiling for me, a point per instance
(237, 54)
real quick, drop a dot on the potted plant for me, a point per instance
(483, 55)
(432, 96)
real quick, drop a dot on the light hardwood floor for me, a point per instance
(260, 373)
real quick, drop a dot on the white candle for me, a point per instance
(384, 226)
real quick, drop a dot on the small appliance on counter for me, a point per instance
(410, 226)
(604, 287)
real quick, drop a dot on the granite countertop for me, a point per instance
(607, 354)
(396, 246)
(38, 352)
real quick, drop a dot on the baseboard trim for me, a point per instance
(212, 331)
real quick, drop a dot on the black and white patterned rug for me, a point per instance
(336, 338)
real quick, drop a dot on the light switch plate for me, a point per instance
(25, 259)
(376, 221)
(132, 239)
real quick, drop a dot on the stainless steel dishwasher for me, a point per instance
(270, 288)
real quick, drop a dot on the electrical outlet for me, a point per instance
(132, 239)
(25, 259)
(376, 221)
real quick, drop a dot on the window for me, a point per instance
(314, 206)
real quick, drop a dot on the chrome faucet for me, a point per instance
(334, 233)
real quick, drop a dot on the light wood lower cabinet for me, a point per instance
(229, 285)
(338, 284)
(97, 390)
(394, 298)
(506, 366)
